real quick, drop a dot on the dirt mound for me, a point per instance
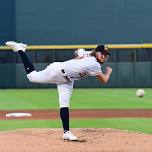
(91, 140)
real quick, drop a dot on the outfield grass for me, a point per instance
(81, 99)
(131, 124)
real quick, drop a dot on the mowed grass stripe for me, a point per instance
(81, 99)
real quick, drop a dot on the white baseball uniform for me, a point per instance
(63, 74)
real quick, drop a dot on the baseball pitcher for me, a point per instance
(63, 74)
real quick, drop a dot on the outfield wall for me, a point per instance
(7, 24)
(76, 22)
(83, 21)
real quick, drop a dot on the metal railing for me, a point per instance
(51, 53)
(89, 46)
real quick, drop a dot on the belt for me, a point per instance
(62, 70)
(65, 75)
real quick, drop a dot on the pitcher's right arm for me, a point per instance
(104, 77)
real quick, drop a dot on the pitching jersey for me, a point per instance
(79, 68)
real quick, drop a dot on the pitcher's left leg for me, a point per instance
(65, 91)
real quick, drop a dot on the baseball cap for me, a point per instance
(101, 48)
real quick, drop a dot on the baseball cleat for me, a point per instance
(68, 135)
(16, 46)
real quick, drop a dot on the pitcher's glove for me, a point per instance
(81, 53)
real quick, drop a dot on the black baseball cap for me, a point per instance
(101, 48)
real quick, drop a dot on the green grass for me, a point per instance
(131, 124)
(28, 99)
(81, 99)
(111, 99)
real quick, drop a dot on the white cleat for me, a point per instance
(68, 135)
(16, 46)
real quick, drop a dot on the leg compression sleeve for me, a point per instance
(27, 64)
(64, 114)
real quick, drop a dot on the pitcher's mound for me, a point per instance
(90, 140)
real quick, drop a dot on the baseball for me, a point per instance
(140, 93)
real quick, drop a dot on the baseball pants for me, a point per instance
(53, 74)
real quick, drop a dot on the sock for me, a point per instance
(64, 115)
(27, 64)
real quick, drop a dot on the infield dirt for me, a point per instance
(82, 113)
(93, 140)
(90, 140)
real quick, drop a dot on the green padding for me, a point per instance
(88, 82)
(143, 74)
(125, 74)
(21, 80)
(7, 75)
